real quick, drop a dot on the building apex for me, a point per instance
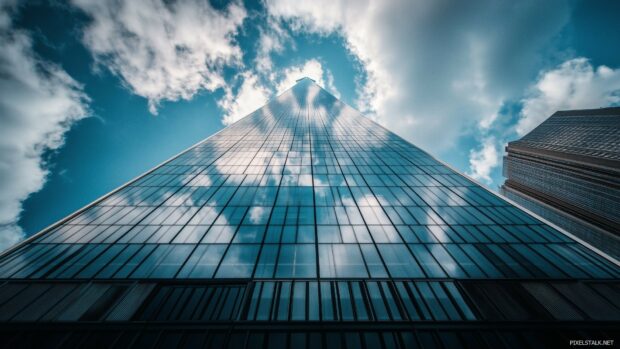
(305, 78)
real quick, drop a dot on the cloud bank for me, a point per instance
(164, 50)
(168, 51)
(38, 104)
(434, 69)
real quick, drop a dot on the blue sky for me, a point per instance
(95, 92)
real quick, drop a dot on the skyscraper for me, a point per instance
(567, 170)
(305, 225)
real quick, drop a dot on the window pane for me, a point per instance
(238, 262)
(341, 260)
(399, 261)
(297, 260)
(203, 262)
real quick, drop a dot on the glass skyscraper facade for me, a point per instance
(567, 170)
(304, 225)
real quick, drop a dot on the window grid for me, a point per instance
(296, 191)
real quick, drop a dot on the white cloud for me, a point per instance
(250, 96)
(272, 38)
(435, 69)
(164, 50)
(484, 160)
(329, 84)
(38, 104)
(575, 84)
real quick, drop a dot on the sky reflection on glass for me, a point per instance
(305, 187)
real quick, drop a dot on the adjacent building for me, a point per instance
(304, 225)
(567, 170)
